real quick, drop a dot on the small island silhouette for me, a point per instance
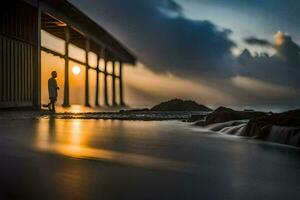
(173, 105)
(180, 105)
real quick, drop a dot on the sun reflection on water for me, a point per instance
(63, 135)
(74, 138)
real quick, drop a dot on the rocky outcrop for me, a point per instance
(223, 114)
(285, 135)
(180, 105)
(282, 128)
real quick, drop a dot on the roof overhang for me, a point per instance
(57, 14)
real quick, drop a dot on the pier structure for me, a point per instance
(20, 52)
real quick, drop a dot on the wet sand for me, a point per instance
(113, 159)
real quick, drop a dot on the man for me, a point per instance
(52, 89)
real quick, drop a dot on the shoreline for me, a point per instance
(271, 132)
(114, 115)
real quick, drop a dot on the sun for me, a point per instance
(76, 70)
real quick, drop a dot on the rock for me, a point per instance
(195, 118)
(282, 128)
(200, 123)
(223, 114)
(180, 105)
(285, 135)
(249, 110)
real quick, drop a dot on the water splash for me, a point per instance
(230, 128)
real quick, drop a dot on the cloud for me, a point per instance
(165, 40)
(187, 48)
(258, 42)
(171, 8)
(287, 50)
(258, 90)
(199, 51)
(281, 68)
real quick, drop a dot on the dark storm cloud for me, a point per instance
(287, 50)
(161, 36)
(171, 5)
(164, 42)
(171, 8)
(163, 39)
(258, 42)
(282, 68)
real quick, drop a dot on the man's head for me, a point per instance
(54, 74)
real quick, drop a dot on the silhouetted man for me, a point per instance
(52, 89)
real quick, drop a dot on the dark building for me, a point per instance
(20, 50)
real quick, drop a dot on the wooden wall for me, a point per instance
(18, 54)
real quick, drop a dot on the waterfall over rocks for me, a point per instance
(230, 128)
(277, 134)
(283, 128)
(285, 135)
(234, 130)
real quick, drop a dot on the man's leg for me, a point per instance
(47, 105)
(52, 105)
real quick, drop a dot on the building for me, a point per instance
(20, 50)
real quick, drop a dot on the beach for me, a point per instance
(48, 158)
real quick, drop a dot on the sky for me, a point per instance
(217, 52)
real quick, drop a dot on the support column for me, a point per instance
(97, 82)
(114, 103)
(87, 49)
(66, 102)
(121, 84)
(37, 67)
(105, 82)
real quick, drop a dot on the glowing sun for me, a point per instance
(76, 70)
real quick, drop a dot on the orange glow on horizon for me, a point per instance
(279, 38)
